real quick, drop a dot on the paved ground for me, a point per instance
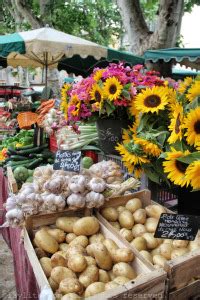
(7, 282)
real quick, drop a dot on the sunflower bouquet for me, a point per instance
(164, 140)
(107, 92)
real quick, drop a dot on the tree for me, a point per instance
(167, 15)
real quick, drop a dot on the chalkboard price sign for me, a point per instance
(67, 160)
(177, 227)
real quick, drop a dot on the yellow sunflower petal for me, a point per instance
(149, 147)
(176, 124)
(185, 84)
(193, 91)
(112, 88)
(192, 125)
(193, 174)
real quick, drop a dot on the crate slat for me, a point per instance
(12, 184)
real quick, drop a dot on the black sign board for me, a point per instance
(177, 227)
(67, 160)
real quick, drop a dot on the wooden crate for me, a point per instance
(191, 291)
(12, 184)
(151, 284)
(180, 270)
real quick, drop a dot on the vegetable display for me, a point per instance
(138, 225)
(83, 262)
(53, 190)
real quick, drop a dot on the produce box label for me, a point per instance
(67, 160)
(177, 227)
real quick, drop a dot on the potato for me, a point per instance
(94, 288)
(46, 265)
(110, 214)
(75, 249)
(89, 250)
(156, 251)
(133, 204)
(127, 234)
(167, 241)
(121, 280)
(70, 285)
(54, 285)
(112, 276)
(123, 255)
(147, 255)
(152, 242)
(58, 260)
(66, 223)
(46, 241)
(111, 246)
(138, 230)
(86, 226)
(154, 210)
(139, 243)
(71, 296)
(178, 252)
(151, 224)
(180, 244)
(166, 250)
(124, 269)
(60, 273)
(63, 253)
(193, 245)
(77, 263)
(139, 216)
(159, 260)
(126, 219)
(90, 260)
(120, 208)
(80, 240)
(57, 234)
(96, 238)
(63, 247)
(111, 285)
(40, 253)
(116, 225)
(70, 237)
(89, 275)
(103, 276)
(102, 256)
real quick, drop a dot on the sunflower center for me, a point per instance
(152, 101)
(177, 125)
(112, 89)
(181, 166)
(197, 127)
(97, 96)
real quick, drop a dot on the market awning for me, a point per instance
(190, 57)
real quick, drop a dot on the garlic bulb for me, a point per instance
(77, 184)
(15, 217)
(55, 185)
(76, 201)
(97, 185)
(94, 199)
(11, 202)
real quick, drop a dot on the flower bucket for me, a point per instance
(188, 202)
(110, 133)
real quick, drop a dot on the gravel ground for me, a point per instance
(7, 281)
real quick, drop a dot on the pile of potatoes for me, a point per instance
(79, 261)
(137, 225)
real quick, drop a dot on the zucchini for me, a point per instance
(32, 150)
(25, 147)
(11, 151)
(35, 163)
(20, 163)
(17, 158)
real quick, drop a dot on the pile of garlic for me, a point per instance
(55, 190)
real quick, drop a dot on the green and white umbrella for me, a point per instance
(45, 47)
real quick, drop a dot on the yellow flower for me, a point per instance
(132, 109)
(112, 88)
(96, 94)
(176, 124)
(98, 74)
(193, 91)
(64, 90)
(172, 99)
(184, 85)
(130, 157)
(152, 99)
(77, 109)
(174, 168)
(193, 174)
(192, 125)
(149, 147)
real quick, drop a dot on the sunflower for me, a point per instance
(76, 111)
(112, 88)
(149, 147)
(130, 157)
(192, 125)
(132, 109)
(193, 174)
(152, 99)
(65, 88)
(174, 168)
(172, 99)
(176, 124)
(98, 74)
(193, 91)
(96, 94)
(184, 85)
(126, 136)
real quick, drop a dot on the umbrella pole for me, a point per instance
(46, 70)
